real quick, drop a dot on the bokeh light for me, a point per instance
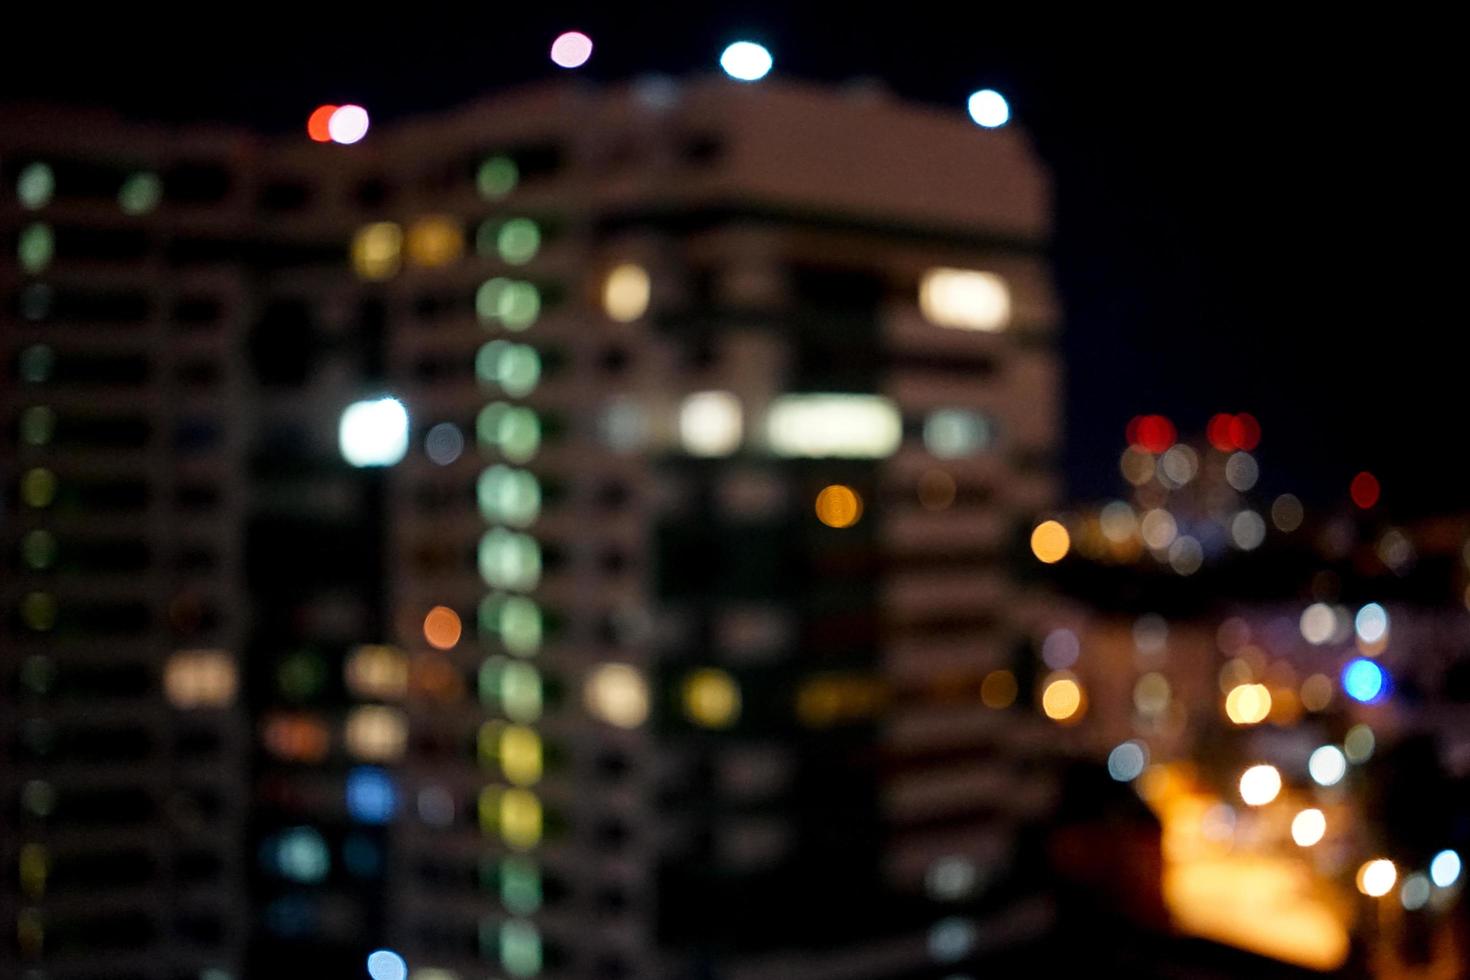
(965, 299)
(1248, 704)
(1126, 761)
(1060, 649)
(1364, 490)
(374, 433)
(384, 964)
(1327, 765)
(1371, 623)
(746, 61)
(1260, 785)
(1358, 744)
(711, 423)
(1444, 868)
(1376, 878)
(988, 108)
(626, 292)
(1050, 542)
(1062, 697)
(348, 124)
(1363, 680)
(571, 49)
(316, 123)
(1308, 827)
(1318, 623)
(839, 506)
(1286, 512)
(442, 628)
(711, 698)
(617, 694)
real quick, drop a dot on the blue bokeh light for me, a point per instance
(384, 964)
(1363, 680)
(371, 796)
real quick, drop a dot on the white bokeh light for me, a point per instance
(1444, 870)
(1327, 765)
(348, 124)
(374, 432)
(571, 50)
(989, 108)
(746, 61)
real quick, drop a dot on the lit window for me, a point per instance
(434, 241)
(200, 679)
(515, 368)
(376, 672)
(298, 738)
(617, 694)
(297, 853)
(509, 560)
(518, 240)
(513, 302)
(626, 292)
(38, 487)
(377, 250)
(520, 948)
(35, 185)
(847, 426)
(513, 686)
(953, 433)
(371, 795)
(710, 423)
(374, 433)
(711, 698)
(513, 430)
(514, 813)
(965, 299)
(140, 193)
(376, 733)
(497, 177)
(36, 247)
(519, 750)
(520, 885)
(509, 496)
(514, 620)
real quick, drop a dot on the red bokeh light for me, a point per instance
(1155, 433)
(1245, 431)
(1218, 432)
(316, 123)
(1364, 490)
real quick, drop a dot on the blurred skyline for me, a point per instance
(1245, 215)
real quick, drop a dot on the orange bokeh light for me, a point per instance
(316, 123)
(442, 628)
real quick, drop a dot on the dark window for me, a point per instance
(197, 183)
(284, 195)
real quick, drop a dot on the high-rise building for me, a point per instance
(123, 771)
(669, 621)
(731, 408)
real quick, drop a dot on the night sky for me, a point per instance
(1252, 213)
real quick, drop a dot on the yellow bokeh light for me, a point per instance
(998, 690)
(434, 241)
(1248, 704)
(1376, 878)
(377, 250)
(1260, 785)
(711, 698)
(1308, 826)
(520, 755)
(839, 506)
(618, 694)
(626, 292)
(1050, 542)
(1062, 697)
(442, 628)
